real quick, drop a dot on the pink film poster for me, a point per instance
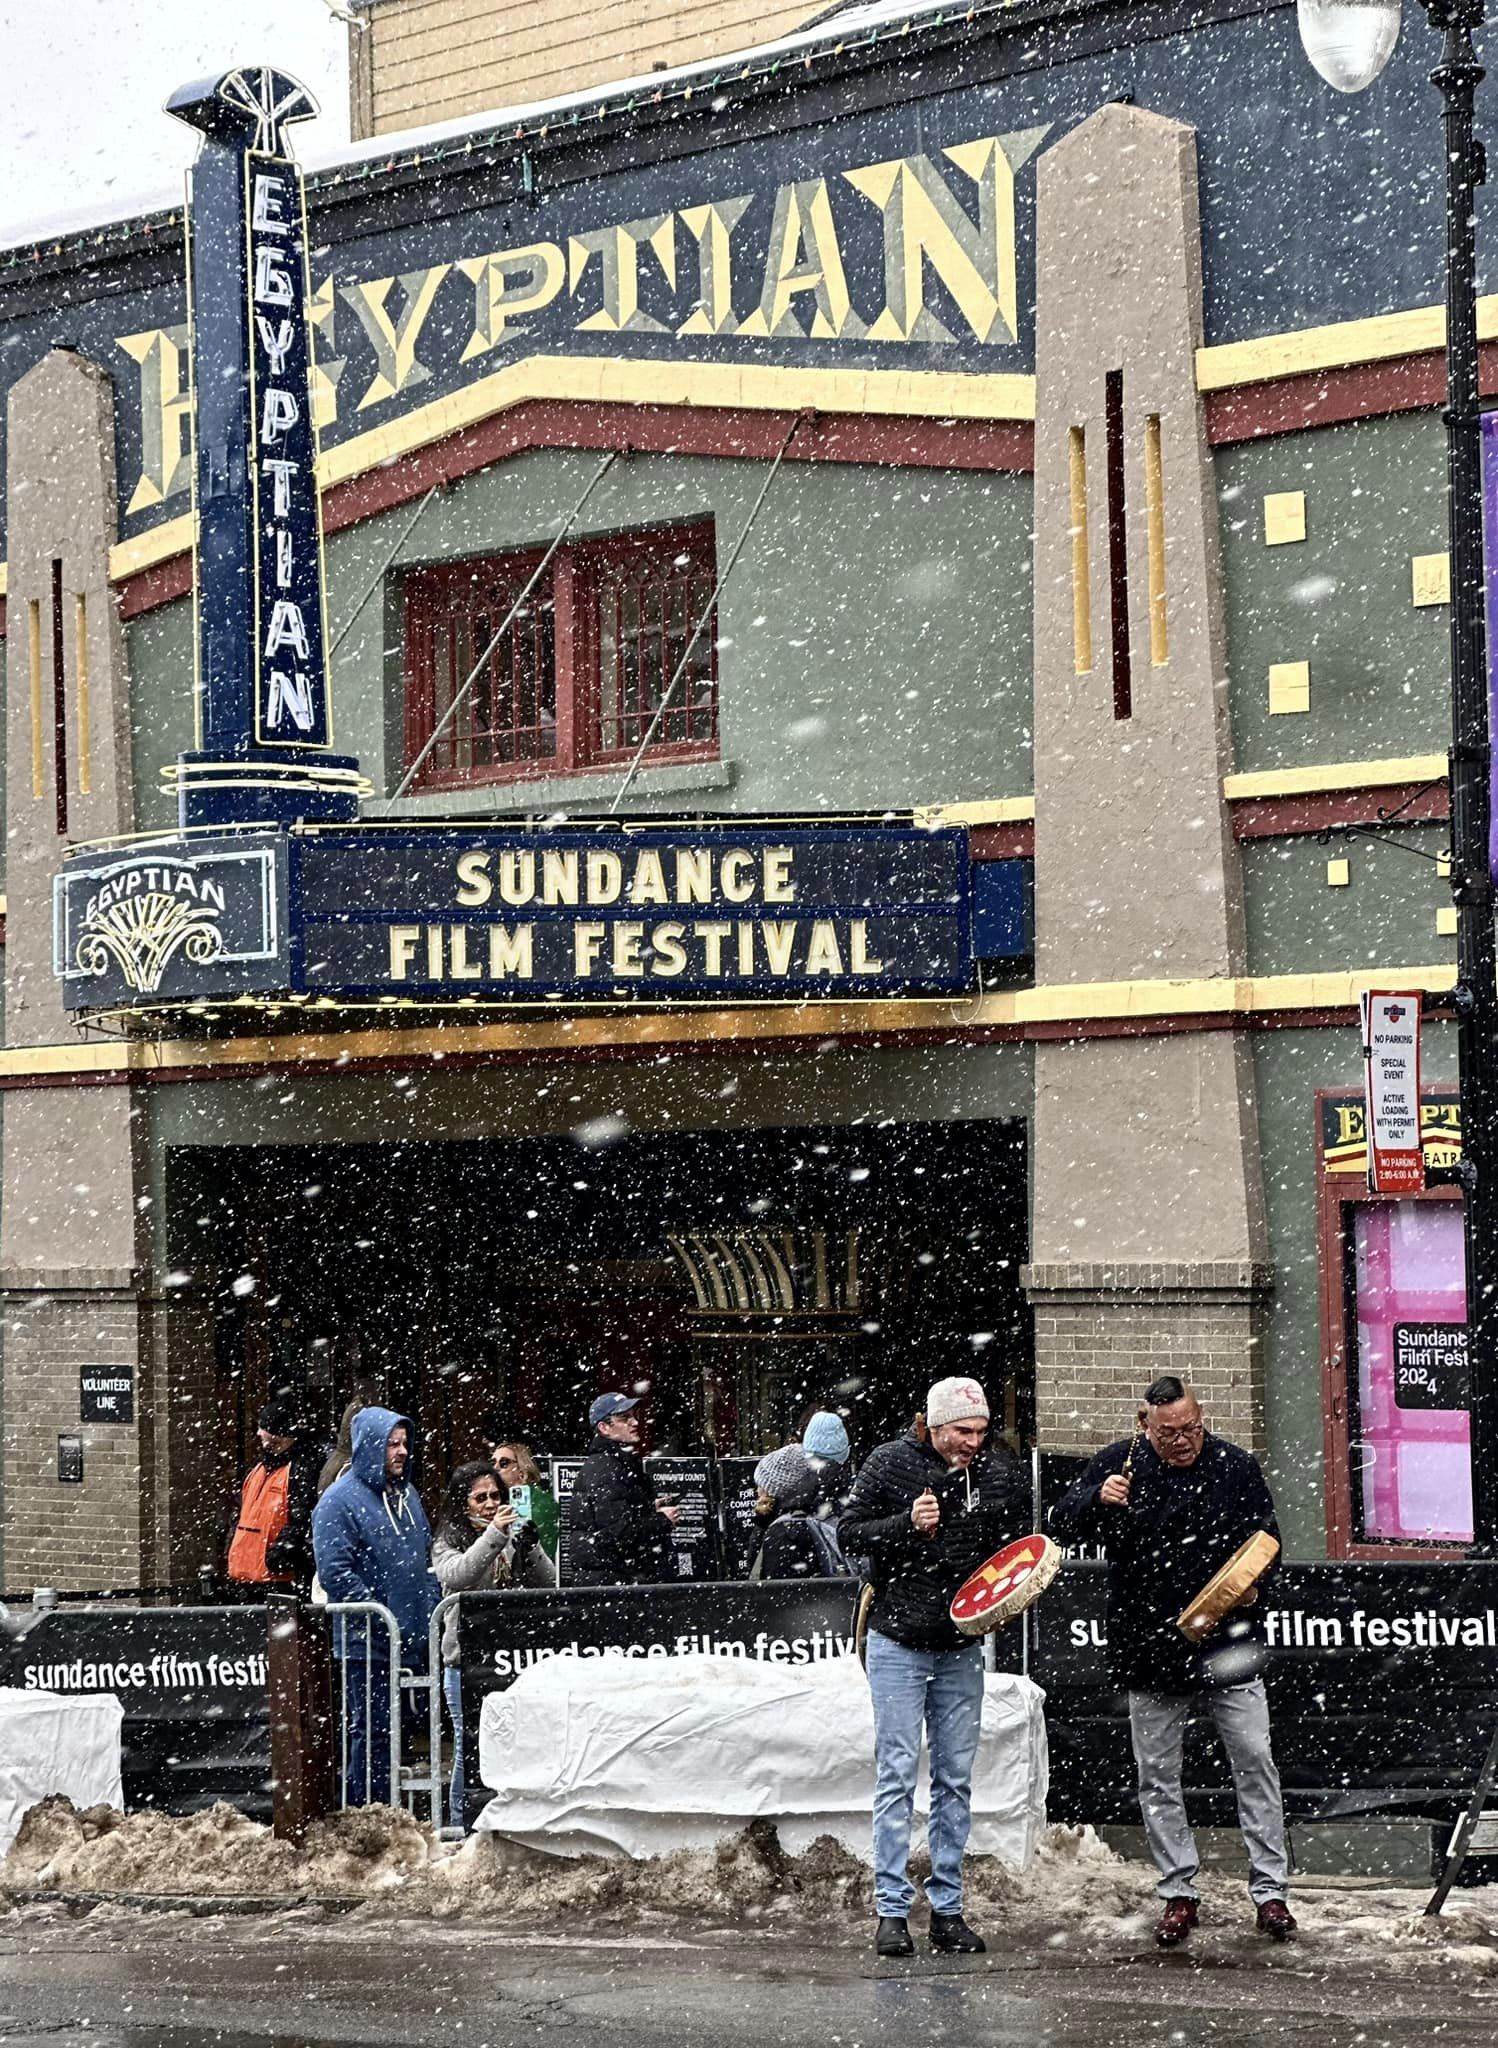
(1410, 1457)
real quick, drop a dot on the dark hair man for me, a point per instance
(621, 1534)
(1170, 1506)
(926, 1511)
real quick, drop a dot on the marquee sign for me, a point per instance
(751, 910)
(264, 719)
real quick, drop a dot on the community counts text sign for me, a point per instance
(754, 911)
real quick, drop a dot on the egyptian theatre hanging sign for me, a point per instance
(274, 886)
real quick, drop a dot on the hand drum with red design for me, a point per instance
(1004, 1587)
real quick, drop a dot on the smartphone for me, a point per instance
(520, 1501)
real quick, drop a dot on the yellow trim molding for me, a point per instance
(1327, 776)
(599, 380)
(1068, 1003)
(1346, 345)
(1004, 810)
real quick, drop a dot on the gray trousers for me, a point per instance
(1157, 1724)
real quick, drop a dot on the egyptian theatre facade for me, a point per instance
(435, 966)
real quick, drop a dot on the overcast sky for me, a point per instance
(82, 134)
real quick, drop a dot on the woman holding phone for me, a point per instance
(515, 1465)
(482, 1545)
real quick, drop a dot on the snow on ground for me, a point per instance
(1078, 1894)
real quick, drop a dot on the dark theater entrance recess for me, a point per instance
(736, 1276)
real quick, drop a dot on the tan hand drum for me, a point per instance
(1003, 1588)
(1225, 1589)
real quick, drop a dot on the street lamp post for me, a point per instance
(1349, 42)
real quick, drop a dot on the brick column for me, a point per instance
(1147, 1217)
(1106, 1331)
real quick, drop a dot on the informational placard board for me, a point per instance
(106, 1393)
(1430, 1365)
(1391, 1056)
(564, 1473)
(689, 1484)
(737, 1520)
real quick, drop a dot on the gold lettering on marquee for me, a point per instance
(649, 883)
(475, 887)
(394, 340)
(823, 955)
(404, 939)
(605, 877)
(511, 952)
(711, 227)
(670, 953)
(626, 951)
(780, 943)
(460, 967)
(694, 878)
(804, 257)
(517, 878)
(712, 937)
(587, 941)
(559, 878)
(925, 223)
(779, 888)
(618, 253)
(165, 414)
(861, 960)
(734, 878)
(508, 284)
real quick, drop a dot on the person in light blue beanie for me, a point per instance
(826, 1438)
(802, 1489)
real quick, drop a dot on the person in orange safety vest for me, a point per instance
(271, 1541)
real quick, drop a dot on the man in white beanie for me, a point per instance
(926, 1511)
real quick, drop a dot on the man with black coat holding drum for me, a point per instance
(1170, 1507)
(926, 1511)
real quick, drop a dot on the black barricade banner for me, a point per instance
(192, 1681)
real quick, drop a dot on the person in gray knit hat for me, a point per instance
(926, 1511)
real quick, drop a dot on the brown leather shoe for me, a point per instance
(1176, 1922)
(1277, 1921)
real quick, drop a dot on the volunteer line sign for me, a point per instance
(753, 910)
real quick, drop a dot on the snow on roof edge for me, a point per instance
(324, 166)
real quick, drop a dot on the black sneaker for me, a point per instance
(951, 1936)
(893, 1939)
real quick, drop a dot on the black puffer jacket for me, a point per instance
(619, 1538)
(1180, 1526)
(915, 1576)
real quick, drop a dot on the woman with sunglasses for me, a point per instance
(481, 1546)
(515, 1465)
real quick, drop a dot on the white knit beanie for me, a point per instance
(956, 1400)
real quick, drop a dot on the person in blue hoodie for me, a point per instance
(370, 1541)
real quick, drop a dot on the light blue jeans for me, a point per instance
(942, 1691)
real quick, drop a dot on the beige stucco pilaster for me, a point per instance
(70, 1225)
(1147, 1239)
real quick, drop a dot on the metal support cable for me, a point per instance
(478, 667)
(707, 611)
(380, 574)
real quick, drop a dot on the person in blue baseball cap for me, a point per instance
(621, 1534)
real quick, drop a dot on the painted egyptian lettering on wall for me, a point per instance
(917, 249)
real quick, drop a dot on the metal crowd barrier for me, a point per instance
(370, 1610)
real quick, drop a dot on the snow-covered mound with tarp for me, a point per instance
(608, 1756)
(53, 1743)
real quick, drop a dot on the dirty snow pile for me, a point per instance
(1077, 1895)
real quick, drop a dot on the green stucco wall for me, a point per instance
(1385, 915)
(874, 637)
(1341, 599)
